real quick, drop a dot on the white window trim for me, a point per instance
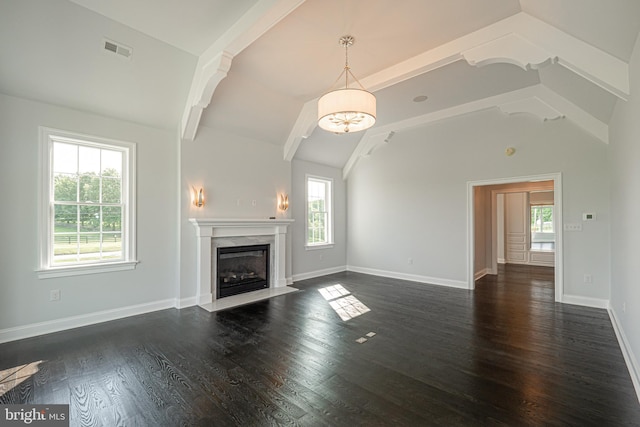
(314, 247)
(45, 269)
(330, 242)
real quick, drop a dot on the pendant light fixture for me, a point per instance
(348, 109)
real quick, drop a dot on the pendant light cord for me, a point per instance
(346, 66)
(347, 72)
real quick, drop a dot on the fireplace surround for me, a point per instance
(218, 233)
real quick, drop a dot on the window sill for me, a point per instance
(316, 247)
(78, 270)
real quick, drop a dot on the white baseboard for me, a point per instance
(480, 274)
(289, 281)
(585, 301)
(411, 277)
(204, 299)
(186, 302)
(502, 261)
(541, 264)
(629, 358)
(35, 329)
(318, 273)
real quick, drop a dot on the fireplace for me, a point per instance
(213, 233)
(242, 269)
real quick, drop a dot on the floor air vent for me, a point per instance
(118, 49)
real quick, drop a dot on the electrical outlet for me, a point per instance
(253, 203)
(410, 261)
(54, 295)
(588, 278)
(624, 307)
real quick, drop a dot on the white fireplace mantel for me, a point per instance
(208, 229)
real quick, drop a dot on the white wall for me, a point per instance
(625, 224)
(234, 172)
(316, 262)
(409, 200)
(24, 299)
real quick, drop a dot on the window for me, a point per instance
(542, 219)
(542, 226)
(87, 213)
(319, 211)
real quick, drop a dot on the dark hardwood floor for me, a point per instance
(505, 354)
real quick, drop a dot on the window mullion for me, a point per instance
(78, 232)
(100, 236)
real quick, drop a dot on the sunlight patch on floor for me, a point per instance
(12, 377)
(335, 291)
(343, 303)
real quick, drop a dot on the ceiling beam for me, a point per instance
(520, 39)
(302, 128)
(593, 64)
(531, 105)
(538, 100)
(510, 49)
(215, 62)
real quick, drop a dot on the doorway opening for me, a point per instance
(529, 235)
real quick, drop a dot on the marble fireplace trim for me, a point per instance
(214, 233)
(225, 242)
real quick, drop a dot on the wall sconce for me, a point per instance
(510, 151)
(283, 202)
(198, 197)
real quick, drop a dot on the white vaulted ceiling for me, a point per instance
(256, 67)
(191, 25)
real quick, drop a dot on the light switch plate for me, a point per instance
(572, 227)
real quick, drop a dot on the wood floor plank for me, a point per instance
(504, 354)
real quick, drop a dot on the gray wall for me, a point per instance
(625, 206)
(409, 198)
(311, 263)
(24, 299)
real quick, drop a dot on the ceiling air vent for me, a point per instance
(118, 49)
